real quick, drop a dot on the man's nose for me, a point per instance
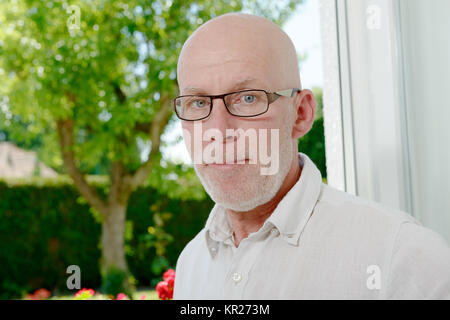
(220, 119)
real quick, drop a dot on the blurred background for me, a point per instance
(93, 171)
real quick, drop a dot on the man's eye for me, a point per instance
(248, 98)
(198, 103)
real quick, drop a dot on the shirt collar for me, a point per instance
(289, 217)
(295, 209)
(218, 225)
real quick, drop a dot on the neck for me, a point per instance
(244, 223)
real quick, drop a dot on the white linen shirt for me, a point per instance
(319, 243)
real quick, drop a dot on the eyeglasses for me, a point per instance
(245, 103)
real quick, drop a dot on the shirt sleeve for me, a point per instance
(184, 268)
(178, 290)
(420, 265)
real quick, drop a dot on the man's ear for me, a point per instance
(305, 108)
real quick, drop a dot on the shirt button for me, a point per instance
(274, 231)
(213, 249)
(236, 277)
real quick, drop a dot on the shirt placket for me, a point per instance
(239, 273)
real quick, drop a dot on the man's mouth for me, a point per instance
(227, 164)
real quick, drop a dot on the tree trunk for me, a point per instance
(113, 238)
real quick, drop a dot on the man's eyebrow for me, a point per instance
(192, 90)
(241, 84)
(244, 83)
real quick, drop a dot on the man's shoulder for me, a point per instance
(194, 247)
(349, 206)
(415, 259)
(357, 220)
(187, 262)
(420, 264)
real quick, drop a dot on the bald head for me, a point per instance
(238, 47)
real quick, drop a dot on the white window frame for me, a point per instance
(365, 159)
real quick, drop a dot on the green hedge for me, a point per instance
(45, 227)
(313, 144)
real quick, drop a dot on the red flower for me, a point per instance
(39, 294)
(84, 294)
(164, 293)
(165, 288)
(169, 274)
(170, 282)
(121, 296)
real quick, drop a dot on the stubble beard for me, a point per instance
(244, 188)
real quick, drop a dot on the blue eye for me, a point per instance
(199, 103)
(249, 98)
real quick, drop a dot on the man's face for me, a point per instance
(237, 62)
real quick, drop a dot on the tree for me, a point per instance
(91, 78)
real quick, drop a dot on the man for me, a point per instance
(284, 235)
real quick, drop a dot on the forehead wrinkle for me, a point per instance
(208, 58)
(233, 75)
(209, 62)
(241, 84)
